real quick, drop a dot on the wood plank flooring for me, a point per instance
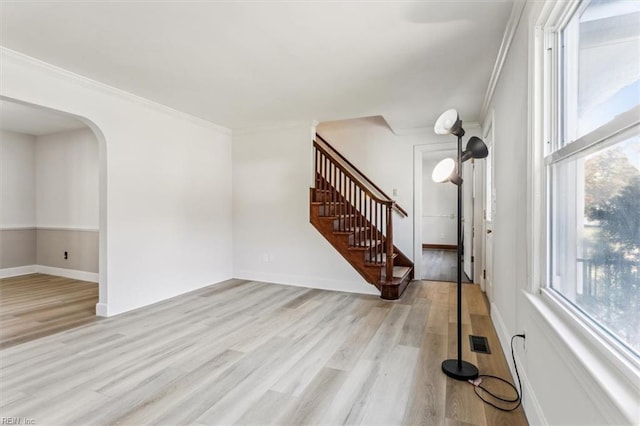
(440, 265)
(37, 305)
(244, 352)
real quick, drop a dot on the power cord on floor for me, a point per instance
(477, 384)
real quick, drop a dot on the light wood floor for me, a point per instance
(440, 265)
(254, 353)
(37, 305)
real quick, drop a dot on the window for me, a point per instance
(593, 168)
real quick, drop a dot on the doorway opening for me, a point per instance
(435, 239)
(50, 233)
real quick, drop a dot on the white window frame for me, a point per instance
(615, 368)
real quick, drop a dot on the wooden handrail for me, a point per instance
(355, 178)
(395, 206)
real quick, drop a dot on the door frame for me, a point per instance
(418, 153)
(488, 133)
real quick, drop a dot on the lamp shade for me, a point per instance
(476, 148)
(449, 123)
(445, 171)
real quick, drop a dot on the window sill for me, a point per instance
(616, 375)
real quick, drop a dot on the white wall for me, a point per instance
(165, 185)
(439, 206)
(67, 180)
(273, 239)
(17, 180)
(560, 385)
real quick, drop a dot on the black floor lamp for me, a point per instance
(448, 170)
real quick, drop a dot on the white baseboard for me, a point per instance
(49, 270)
(102, 310)
(68, 273)
(17, 271)
(502, 331)
(530, 404)
(308, 282)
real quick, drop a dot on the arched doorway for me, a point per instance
(78, 220)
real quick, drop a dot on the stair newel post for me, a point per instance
(389, 244)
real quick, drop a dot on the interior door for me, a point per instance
(489, 213)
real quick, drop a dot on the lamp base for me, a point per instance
(467, 371)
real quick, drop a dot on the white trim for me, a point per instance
(536, 193)
(102, 310)
(502, 331)
(17, 228)
(49, 270)
(17, 271)
(530, 400)
(67, 228)
(48, 228)
(619, 128)
(601, 372)
(530, 403)
(68, 273)
(306, 282)
(488, 130)
(113, 91)
(507, 38)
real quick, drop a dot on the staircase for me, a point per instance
(356, 217)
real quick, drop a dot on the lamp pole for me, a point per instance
(449, 123)
(457, 368)
(459, 259)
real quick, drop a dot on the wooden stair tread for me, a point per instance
(326, 203)
(338, 216)
(401, 271)
(366, 244)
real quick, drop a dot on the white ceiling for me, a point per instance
(257, 63)
(34, 121)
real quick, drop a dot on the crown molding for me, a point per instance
(110, 90)
(429, 129)
(273, 127)
(507, 39)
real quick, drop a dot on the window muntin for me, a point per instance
(594, 225)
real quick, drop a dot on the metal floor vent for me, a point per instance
(479, 344)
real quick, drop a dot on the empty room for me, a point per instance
(309, 212)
